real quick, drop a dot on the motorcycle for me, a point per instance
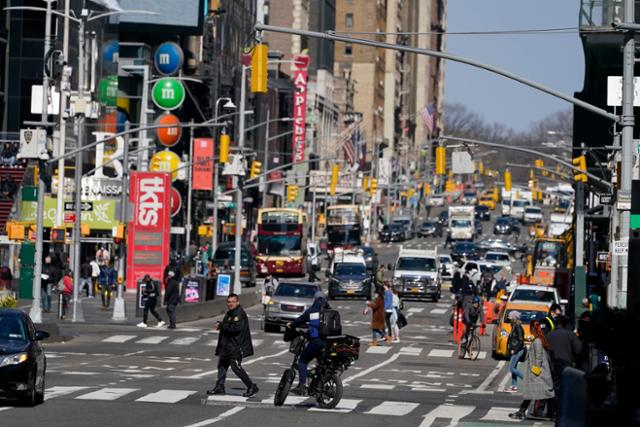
(323, 381)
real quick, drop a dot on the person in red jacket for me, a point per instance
(67, 291)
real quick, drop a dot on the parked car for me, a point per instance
(347, 276)
(532, 215)
(505, 226)
(430, 228)
(226, 253)
(528, 312)
(23, 363)
(461, 251)
(436, 200)
(469, 198)
(482, 212)
(289, 300)
(370, 258)
(392, 233)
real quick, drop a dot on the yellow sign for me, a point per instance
(165, 161)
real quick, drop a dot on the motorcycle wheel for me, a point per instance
(330, 393)
(283, 387)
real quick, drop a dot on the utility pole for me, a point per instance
(119, 312)
(36, 311)
(189, 191)
(62, 129)
(237, 287)
(265, 159)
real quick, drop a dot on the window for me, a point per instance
(348, 20)
(348, 49)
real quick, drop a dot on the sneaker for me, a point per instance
(160, 324)
(217, 390)
(300, 390)
(141, 325)
(510, 389)
(396, 340)
(517, 415)
(251, 391)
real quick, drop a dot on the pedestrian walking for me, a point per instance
(377, 317)
(103, 257)
(515, 347)
(388, 310)
(234, 344)
(564, 349)
(85, 277)
(50, 277)
(150, 293)
(172, 297)
(67, 291)
(397, 307)
(95, 273)
(107, 281)
(537, 383)
(548, 324)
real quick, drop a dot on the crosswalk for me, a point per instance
(207, 339)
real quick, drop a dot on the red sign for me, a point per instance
(69, 217)
(203, 153)
(168, 136)
(148, 231)
(176, 202)
(299, 106)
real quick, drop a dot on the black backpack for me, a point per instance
(330, 324)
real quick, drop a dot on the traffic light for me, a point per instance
(292, 193)
(85, 229)
(256, 169)
(225, 141)
(259, 68)
(118, 233)
(373, 187)
(32, 233)
(58, 235)
(539, 163)
(15, 231)
(441, 160)
(335, 175)
(507, 180)
(581, 163)
(481, 167)
(365, 183)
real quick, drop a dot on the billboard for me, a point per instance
(203, 165)
(171, 16)
(299, 106)
(149, 227)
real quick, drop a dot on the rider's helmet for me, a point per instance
(475, 299)
(318, 295)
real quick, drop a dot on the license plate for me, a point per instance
(279, 270)
(279, 263)
(415, 290)
(351, 291)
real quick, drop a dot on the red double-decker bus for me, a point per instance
(281, 242)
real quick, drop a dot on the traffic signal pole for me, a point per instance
(237, 287)
(119, 312)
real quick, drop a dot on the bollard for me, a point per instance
(60, 305)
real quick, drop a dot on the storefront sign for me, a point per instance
(102, 215)
(148, 231)
(299, 106)
(168, 58)
(203, 153)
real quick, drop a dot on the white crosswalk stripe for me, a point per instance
(397, 409)
(499, 414)
(378, 350)
(438, 311)
(107, 393)
(413, 351)
(345, 406)
(166, 396)
(437, 352)
(57, 391)
(184, 341)
(119, 338)
(154, 339)
(452, 412)
(378, 386)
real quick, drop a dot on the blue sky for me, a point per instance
(555, 60)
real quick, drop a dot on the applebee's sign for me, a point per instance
(148, 230)
(299, 106)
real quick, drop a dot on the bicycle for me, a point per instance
(471, 345)
(324, 381)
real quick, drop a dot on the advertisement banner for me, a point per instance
(203, 153)
(148, 230)
(299, 106)
(98, 214)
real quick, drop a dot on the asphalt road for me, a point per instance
(110, 375)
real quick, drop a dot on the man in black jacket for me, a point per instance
(234, 343)
(564, 348)
(172, 297)
(548, 324)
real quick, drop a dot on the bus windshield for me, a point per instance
(550, 254)
(279, 245)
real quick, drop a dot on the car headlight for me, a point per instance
(14, 359)
(503, 333)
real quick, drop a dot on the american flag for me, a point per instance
(346, 140)
(428, 115)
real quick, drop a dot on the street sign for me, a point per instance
(69, 218)
(168, 58)
(614, 91)
(602, 256)
(621, 247)
(624, 201)
(606, 199)
(84, 207)
(168, 136)
(168, 94)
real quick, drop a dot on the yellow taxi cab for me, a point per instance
(537, 230)
(528, 311)
(487, 200)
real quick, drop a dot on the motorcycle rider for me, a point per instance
(315, 345)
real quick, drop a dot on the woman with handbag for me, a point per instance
(516, 348)
(537, 383)
(65, 287)
(377, 317)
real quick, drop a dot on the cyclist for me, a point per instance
(315, 345)
(472, 313)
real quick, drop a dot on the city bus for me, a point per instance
(344, 227)
(281, 242)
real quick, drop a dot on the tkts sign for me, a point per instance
(148, 230)
(299, 106)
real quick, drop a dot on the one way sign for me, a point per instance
(85, 206)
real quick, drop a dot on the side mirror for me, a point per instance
(41, 335)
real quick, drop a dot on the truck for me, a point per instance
(417, 275)
(461, 225)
